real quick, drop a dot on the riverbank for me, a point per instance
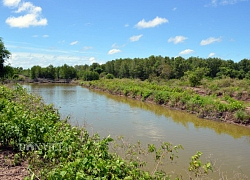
(132, 150)
(220, 105)
(33, 136)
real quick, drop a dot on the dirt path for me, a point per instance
(9, 171)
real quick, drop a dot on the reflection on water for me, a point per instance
(108, 114)
(182, 117)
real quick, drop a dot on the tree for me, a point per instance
(195, 77)
(8, 72)
(109, 67)
(96, 68)
(213, 64)
(90, 76)
(80, 69)
(67, 72)
(50, 72)
(179, 67)
(4, 55)
(244, 65)
(164, 70)
(124, 71)
(36, 72)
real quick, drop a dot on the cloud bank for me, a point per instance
(32, 14)
(27, 60)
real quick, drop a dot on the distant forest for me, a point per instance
(151, 68)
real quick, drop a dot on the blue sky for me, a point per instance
(79, 32)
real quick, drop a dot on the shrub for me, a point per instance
(240, 115)
(90, 76)
(110, 76)
(195, 77)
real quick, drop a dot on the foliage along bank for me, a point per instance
(59, 151)
(56, 150)
(211, 106)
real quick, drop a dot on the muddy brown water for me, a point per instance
(228, 145)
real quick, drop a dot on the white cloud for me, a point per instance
(174, 9)
(126, 25)
(73, 43)
(45, 36)
(210, 41)
(31, 17)
(27, 60)
(85, 48)
(113, 51)
(92, 60)
(186, 51)
(25, 21)
(211, 54)
(11, 3)
(135, 38)
(214, 2)
(177, 39)
(152, 23)
(28, 7)
(116, 46)
(225, 2)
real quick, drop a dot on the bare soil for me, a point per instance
(9, 169)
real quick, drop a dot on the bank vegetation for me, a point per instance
(224, 100)
(53, 149)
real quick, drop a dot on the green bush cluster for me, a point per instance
(23, 119)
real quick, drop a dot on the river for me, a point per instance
(226, 144)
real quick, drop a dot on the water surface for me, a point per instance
(227, 144)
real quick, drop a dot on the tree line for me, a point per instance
(151, 68)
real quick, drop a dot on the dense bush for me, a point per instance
(90, 76)
(110, 76)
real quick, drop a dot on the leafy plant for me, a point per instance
(197, 167)
(110, 76)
